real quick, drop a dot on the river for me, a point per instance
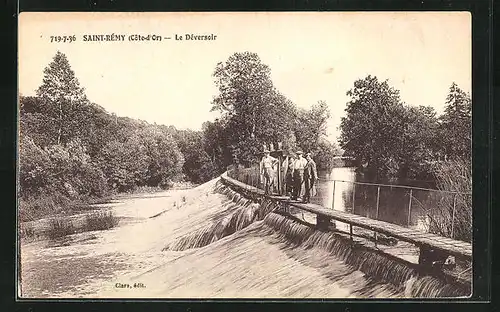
(184, 244)
(394, 204)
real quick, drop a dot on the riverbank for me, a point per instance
(63, 217)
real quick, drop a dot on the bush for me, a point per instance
(124, 164)
(324, 155)
(66, 170)
(59, 227)
(98, 221)
(72, 171)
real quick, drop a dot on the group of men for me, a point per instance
(299, 174)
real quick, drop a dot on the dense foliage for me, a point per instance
(71, 149)
(255, 113)
(390, 138)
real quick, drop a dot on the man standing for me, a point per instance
(288, 168)
(267, 170)
(298, 174)
(310, 177)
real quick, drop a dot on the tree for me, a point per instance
(165, 160)
(216, 144)
(253, 111)
(35, 123)
(374, 126)
(100, 127)
(34, 165)
(124, 164)
(243, 82)
(419, 144)
(198, 167)
(310, 126)
(62, 100)
(148, 157)
(72, 171)
(324, 154)
(58, 169)
(456, 124)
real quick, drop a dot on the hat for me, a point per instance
(299, 152)
(308, 154)
(266, 151)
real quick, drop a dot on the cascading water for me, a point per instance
(240, 213)
(383, 275)
(403, 275)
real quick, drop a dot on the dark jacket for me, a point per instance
(310, 170)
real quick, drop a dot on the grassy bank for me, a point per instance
(96, 221)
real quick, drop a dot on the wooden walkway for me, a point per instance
(446, 245)
(449, 246)
(241, 185)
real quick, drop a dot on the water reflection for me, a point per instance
(403, 206)
(335, 194)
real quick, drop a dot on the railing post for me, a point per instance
(378, 201)
(353, 195)
(376, 213)
(453, 216)
(409, 207)
(333, 199)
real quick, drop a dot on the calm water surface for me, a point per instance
(394, 204)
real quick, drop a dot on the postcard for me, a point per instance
(284, 155)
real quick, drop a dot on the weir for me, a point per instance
(247, 217)
(433, 246)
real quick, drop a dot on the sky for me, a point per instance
(313, 56)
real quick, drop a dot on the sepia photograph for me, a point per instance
(283, 155)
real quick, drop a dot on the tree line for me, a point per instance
(389, 138)
(71, 149)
